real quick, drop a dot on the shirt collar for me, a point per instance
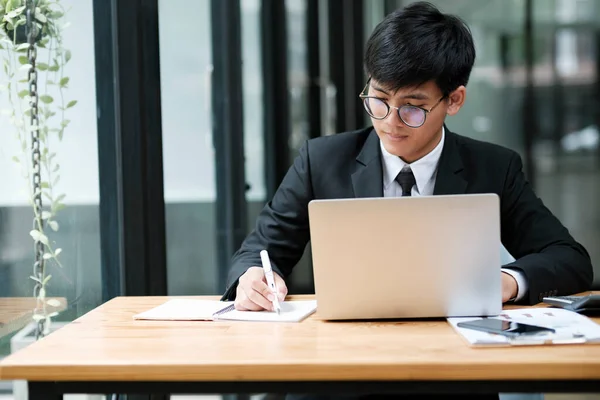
(423, 169)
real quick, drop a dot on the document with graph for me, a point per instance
(568, 328)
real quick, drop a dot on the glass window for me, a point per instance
(297, 54)
(189, 158)
(71, 169)
(188, 154)
(253, 107)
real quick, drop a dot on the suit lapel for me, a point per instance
(367, 180)
(449, 178)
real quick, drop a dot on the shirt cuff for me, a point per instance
(522, 286)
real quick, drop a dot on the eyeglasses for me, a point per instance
(412, 116)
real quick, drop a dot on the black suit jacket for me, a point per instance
(348, 165)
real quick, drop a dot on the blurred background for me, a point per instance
(190, 112)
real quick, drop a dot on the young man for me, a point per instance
(418, 61)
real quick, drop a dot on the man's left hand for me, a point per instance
(509, 287)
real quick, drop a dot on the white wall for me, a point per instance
(78, 152)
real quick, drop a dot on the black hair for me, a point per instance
(417, 44)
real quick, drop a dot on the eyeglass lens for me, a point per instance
(410, 115)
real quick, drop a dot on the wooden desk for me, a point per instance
(16, 312)
(106, 351)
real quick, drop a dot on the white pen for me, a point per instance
(266, 264)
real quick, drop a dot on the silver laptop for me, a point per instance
(406, 257)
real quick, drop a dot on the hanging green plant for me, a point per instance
(13, 19)
(31, 30)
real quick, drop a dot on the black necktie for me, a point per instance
(406, 179)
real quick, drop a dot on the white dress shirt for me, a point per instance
(425, 170)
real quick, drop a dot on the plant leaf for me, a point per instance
(71, 103)
(38, 317)
(53, 225)
(53, 303)
(67, 56)
(34, 278)
(9, 22)
(35, 234)
(40, 17)
(46, 214)
(23, 93)
(39, 237)
(56, 181)
(22, 46)
(45, 185)
(23, 60)
(47, 99)
(42, 67)
(16, 159)
(64, 81)
(57, 252)
(60, 198)
(47, 256)
(46, 279)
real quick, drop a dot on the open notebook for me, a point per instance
(208, 310)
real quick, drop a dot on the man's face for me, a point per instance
(411, 144)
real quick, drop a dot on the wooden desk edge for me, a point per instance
(301, 373)
(322, 371)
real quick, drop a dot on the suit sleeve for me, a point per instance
(546, 254)
(281, 227)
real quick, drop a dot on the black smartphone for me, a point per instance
(502, 327)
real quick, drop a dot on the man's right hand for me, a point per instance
(252, 292)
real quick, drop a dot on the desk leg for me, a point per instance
(43, 391)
